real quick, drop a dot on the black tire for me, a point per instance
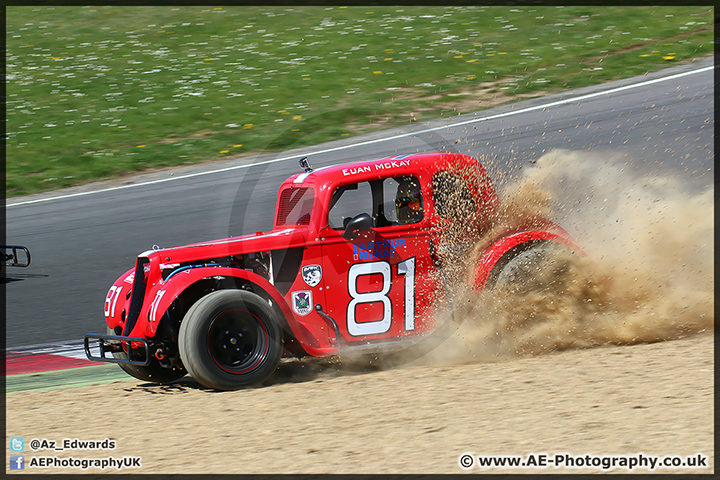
(542, 267)
(230, 339)
(153, 372)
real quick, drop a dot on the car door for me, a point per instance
(380, 285)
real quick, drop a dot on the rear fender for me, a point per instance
(511, 245)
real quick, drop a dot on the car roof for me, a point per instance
(400, 165)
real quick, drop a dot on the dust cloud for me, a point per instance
(647, 277)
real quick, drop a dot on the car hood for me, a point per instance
(259, 242)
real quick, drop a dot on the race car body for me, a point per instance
(354, 262)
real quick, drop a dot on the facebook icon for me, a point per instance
(17, 462)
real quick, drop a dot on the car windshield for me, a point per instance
(295, 206)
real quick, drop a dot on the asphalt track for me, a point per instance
(82, 239)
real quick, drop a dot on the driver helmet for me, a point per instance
(408, 201)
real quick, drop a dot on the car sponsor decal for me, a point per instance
(312, 274)
(302, 302)
(376, 250)
(377, 167)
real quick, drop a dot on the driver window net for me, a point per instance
(295, 206)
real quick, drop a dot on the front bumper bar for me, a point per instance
(139, 356)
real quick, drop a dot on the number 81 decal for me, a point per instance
(111, 300)
(406, 269)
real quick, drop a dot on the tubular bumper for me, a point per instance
(114, 344)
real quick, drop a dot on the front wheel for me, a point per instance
(230, 339)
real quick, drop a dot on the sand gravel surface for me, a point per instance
(320, 417)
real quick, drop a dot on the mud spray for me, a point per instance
(647, 277)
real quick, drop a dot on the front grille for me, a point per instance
(295, 206)
(138, 295)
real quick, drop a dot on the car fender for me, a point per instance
(117, 300)
(504, 246)
(166, 293)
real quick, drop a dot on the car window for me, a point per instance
(406, 203)
(349, 201)
(388, 205)
(390, 201)
(452, 196)
(295, 206)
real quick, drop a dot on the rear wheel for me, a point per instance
(543, 267)
(230, 339)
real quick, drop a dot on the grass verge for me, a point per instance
(98, 92)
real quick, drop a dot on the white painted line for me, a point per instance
(70, 350)
(379, 140)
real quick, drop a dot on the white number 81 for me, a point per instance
(405, 268)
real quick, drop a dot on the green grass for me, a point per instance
(98, 92)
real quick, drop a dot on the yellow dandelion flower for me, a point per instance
(295, 130)
(502, 53)
(208, 59)
(238, 145)
(224, 151)
(470, 61)
(387, 59)
(297, 117)
(377, 72)
(141, 146)
(248, 126)
(668, 57)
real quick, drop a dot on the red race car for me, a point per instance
(357, 261)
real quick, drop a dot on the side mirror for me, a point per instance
(358, 224)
